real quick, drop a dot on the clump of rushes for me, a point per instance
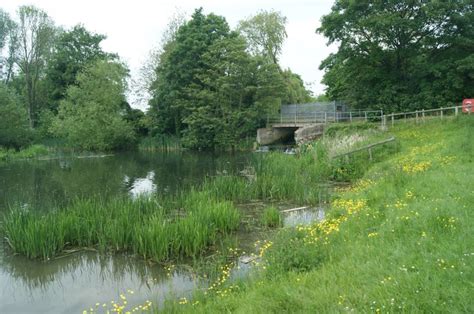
(142, 226)
(271, 217)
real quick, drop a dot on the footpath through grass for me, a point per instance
(399, 240)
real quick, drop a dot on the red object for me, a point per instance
(468, 105)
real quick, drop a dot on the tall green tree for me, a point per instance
(92, 114)
(181, 62)
(265, 32)
(35, 37)
(235, 94)
(8, 45)
(209, 89)
(400, 54)
(14, 129)
(295, 90)
(73, 51)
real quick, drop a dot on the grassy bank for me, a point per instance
(399, 240)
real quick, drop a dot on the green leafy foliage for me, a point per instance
(296, 92)
(14, 129)
(73, 51)
(91, 116)
(400, 55)
(265, 32)
(209, 90)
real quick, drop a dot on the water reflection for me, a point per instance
(45, 184)
(141, 186)
(70, 284)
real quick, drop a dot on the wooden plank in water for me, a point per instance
(294, 209)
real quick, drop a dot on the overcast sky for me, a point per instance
(133, 28)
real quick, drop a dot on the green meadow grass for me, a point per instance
(398, 240)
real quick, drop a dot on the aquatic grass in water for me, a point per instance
(271, 217)
(160, 143)
(142, 227)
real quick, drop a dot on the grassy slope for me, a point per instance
(410, 249)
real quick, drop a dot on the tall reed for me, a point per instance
(143, 227)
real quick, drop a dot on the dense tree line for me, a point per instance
(400, 54)
(60, 83)
(212, 86)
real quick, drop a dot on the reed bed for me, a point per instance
(168, 227)
(160, 143)
(142, 226)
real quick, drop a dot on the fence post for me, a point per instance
(416, 116)
(365, 113)
(350, 115)
(325, 117)
(456, 110)
(335, 116)
(296, 112)
(370, 154)
(441, 113)
(393, 119)
(423, 114)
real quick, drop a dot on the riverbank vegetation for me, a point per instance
(156, 230)
(167, 227)
(396, 240)
(36, 150)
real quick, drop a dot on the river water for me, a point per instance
(79, 281)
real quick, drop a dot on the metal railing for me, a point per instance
(306, 118)
(303, 118)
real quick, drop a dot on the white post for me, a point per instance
(441, 113)
(325, 117)
(365, 113)
(393, 119)
(350, 116)
(456, 110)
(423, 114)
(416, 117)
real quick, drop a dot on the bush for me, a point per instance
(14, 129)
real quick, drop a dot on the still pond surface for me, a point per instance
(81, 280)
(77, 282)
